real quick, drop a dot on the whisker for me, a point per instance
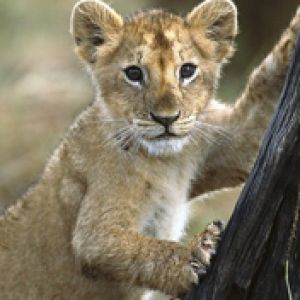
(112, 121)
(117, 135)
(121, 132)
(193, 140)
(206, 136)
(142, 122)
(127, 140)
(136, 142)
(213, 129)
(186, 120)
(209, 125)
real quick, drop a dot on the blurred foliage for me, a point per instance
(42, 86)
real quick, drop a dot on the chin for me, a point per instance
(164, 147)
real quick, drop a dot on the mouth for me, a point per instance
(166, 135)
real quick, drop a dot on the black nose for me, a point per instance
(165, 121)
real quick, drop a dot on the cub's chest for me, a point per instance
(165, 215)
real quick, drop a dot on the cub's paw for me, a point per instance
(186, 278)
(296, 20)
(204, 246)
(291, 34)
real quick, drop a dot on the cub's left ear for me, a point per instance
(217, 21)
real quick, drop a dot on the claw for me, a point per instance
(201, 273)
(204, 248)
(219, 224)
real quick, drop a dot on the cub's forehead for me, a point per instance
(156, 29)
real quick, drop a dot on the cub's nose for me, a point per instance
(166, 121)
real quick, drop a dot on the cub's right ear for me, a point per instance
(94, 25)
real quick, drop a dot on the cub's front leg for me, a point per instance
(243, 124)
(106, 243)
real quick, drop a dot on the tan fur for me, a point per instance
(104, 219)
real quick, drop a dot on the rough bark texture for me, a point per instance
(264, 232)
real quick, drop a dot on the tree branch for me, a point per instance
(263, 232)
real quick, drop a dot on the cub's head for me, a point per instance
(156, 71)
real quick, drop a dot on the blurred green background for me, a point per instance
(43, 86)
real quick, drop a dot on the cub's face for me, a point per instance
(156, 71)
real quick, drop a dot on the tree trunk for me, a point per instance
(259, 255)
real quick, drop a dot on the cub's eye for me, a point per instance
(187, 71)
(134, 73)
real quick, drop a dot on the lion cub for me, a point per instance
(104, 220)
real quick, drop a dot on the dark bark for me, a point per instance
(263, 232)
